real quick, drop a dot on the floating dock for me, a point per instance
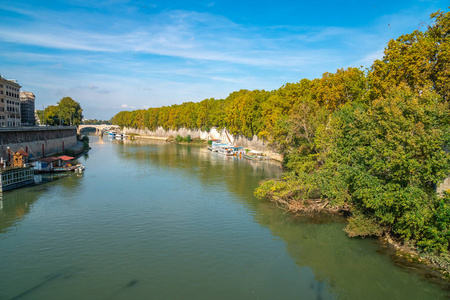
(11, 178)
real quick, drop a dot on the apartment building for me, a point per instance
(9, 103)
(27, 100)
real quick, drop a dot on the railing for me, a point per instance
(4, 169)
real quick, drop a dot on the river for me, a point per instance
(151, 220)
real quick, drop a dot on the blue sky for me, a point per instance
(113, 55)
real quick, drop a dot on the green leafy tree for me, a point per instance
(387, 160)
(40, 115)
(51, 115)
(70, 112)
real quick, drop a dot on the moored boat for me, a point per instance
(16, 173)
(14, 177)
(226, 150)
(56, 165)
(259, 156)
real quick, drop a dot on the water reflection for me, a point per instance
(350, 268)
(16, 204)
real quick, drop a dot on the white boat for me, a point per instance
(79, 169)
(226, 150)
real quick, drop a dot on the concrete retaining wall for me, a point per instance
(160, 132)
(37, 141)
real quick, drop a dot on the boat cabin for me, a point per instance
(48, 163)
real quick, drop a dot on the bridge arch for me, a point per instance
(98, 128)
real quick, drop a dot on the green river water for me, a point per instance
(151, 220)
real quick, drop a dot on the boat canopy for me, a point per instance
(66, 158)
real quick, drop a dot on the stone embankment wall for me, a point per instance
(37, 141)
(239, 141)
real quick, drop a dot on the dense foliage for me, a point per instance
(66, 112)
(369, 142)
(96, 122)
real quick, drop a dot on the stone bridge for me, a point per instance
(98, 128)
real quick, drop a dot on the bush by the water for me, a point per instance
(179, 139)
(85, 140)
(186, 139)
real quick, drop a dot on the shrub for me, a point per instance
(179, 139)
(360, 225)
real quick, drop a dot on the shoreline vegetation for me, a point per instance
(370, 144)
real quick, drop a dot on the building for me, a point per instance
(9, 103)
(27, 109)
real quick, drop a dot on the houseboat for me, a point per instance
(213, 142)
(226, 150)
(57, 164)
(16, 175)
(217, 145)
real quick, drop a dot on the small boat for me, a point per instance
(79, 169)
(259, 156)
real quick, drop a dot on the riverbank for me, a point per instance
(253, 144)
(433, 267)
(148, 137)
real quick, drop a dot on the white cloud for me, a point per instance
(188, 35)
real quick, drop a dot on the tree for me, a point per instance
(387, 160)
(51, 115)
(421, 60)
(70, 112)
(40, 115)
